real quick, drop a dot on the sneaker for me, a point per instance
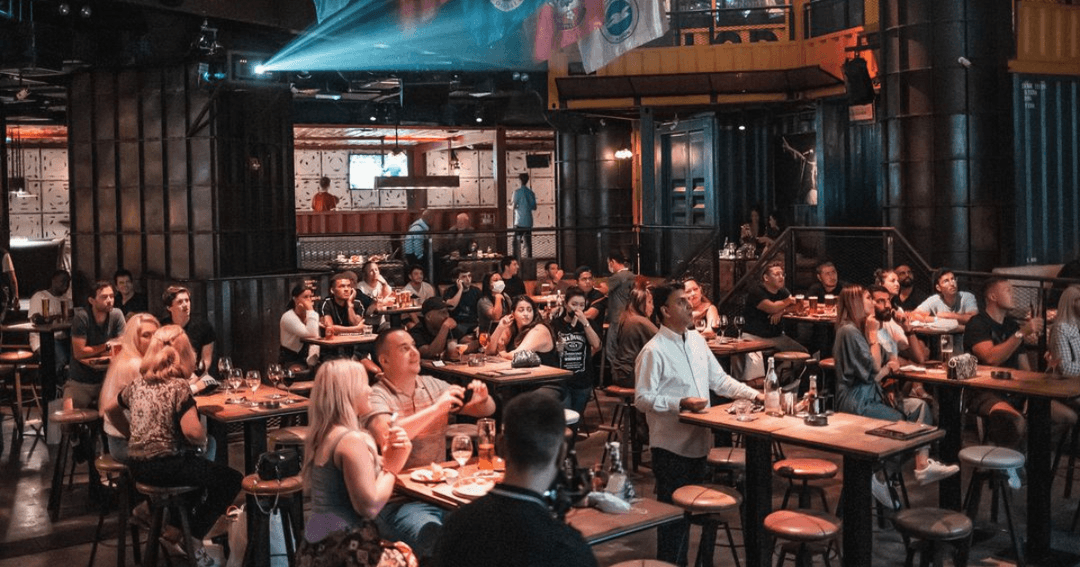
(882, 494)
(935, 471)
(1014, 479)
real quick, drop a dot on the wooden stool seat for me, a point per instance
(119, 477)
(455, 429)
(288, 436)
(75, 416)
(791, 356)
(727, 458)
(619, 392)
(643, 563)
(803, 526)
(108, 465)
(828, 364)
(252, 484)
(698, 499)
(302, 386)
(158, 492)
(933, 524)
(989, 457)
(805, 469)
(15, 356)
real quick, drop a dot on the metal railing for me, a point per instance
(697, 23)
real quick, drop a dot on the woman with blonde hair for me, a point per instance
(164, 433)
(123, 370)
(347, 480)
(1065, 333)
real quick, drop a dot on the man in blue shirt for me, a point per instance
(416, 240)
(524, 205)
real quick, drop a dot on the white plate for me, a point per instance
(428, 475)
(473, 487)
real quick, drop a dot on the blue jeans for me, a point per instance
(416, 523)
(578, 398)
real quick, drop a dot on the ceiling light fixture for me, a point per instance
(397, 148)
(455, 163)
(624, 153)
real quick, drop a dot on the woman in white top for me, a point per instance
(299, 322)
(123, 370)
(374, 286)
(1065, 334)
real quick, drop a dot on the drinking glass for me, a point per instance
(288, 377)
(253, 381)
(742, 409)
(739, 322)
(723, 326)
(485, 442)
(224, 365)
(461, 449)
(275, 373)
(946, 347)
(236, 379)
(483, 338)
(701, 325)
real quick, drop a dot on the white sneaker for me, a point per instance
(882, 494)
(935, 471)
(1014, 479)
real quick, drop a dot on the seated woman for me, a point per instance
(347, 480)
(861, 364)
(635, 328)
(703, 309)
(1064, 338)
(123, 370)
(493, 303)
(299, 322)
(164, 433)
(523, 330)
(375, 287)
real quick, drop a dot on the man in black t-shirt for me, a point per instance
(200, 333)
(436, 329)
(765, 306)
(343, 312)
(461, 297)
(910, 297)
(509, 268)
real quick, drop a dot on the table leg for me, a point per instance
(858, 523)
(758, 499)
(47, 373)
(220, 433)
(1039, 479)
(254, 443)
(949, 447)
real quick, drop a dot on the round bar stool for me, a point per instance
(573, 419)
(119, 477)
(805, 470)
(165, 500)
(623, 426)
(272, 491)
(709, 507)
(804, 533)
(929, 530)
(75, 425)
(991, 465)
(643, 563)
(728, 460)
(292, 436)
(17, 361)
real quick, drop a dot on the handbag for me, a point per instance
(525, 359)
(277, 465)
(357, 547)
(963, 367)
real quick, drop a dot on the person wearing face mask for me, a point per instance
(493, 303)
(579, 341)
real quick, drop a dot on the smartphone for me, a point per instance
(467, 397)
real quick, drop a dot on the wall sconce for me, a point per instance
(254, 164)
(624, 153)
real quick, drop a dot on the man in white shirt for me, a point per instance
(949, 302)
(56, 296)
(675, 372)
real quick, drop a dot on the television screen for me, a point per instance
(364, 168)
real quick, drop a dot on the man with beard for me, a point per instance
(909, 296)
(896, 337)
(949, 302)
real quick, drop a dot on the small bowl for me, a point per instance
(269, 405)
(816, 420)
(1001, 375)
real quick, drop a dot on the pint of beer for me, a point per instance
(485, 442)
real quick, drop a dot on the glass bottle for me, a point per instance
(772, 391)
(618, 483)
(811, 397)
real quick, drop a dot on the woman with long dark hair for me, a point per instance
(493, 303)
(523, 329)
(299, 322)
(635, 328)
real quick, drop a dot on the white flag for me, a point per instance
(627, 24)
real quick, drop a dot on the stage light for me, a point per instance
(742, 127)
(64, 8)
(624, 153)
(86, 12)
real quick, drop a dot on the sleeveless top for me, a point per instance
(331, 507)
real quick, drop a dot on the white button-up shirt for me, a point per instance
(671, 367)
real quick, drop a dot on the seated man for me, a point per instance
(897, 338)
(423, 406)
(343, 312)
(765, 306)
(92, 333)
(462, 298)
(56, 296)
(997, 339)
(508, 269)
(551, 281)
(828, 281)
(127, 300)
(512, 524)
(198, 330)
(910, 296)
(436, 329)
(948, 302)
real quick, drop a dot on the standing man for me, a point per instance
(92, 333)
(416, 240)
(764, 310)
(512, 524)
(524, 204)
(508, 269)
(910, 297)
(423, 406)
(127, 300)
(619, 285)
(462, 298)
(199, 331)
(56, 295)
(675, 372)
(949, 302)
(323, 200)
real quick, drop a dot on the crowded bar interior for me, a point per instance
(539, 282)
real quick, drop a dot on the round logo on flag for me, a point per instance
(568, 14)
(507, 5)
(620, 19)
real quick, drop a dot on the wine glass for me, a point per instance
(701, 324)
(236, 379)
(560, 347)
(253, 381)
(275, 373)
(723, 324)
(461, 449)
(483, 338)
(739, 322)
(224, 365)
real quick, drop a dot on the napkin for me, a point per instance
(913, 368)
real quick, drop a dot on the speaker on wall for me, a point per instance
(537, 161)
(860, 89)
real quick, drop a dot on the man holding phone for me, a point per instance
(461, 298)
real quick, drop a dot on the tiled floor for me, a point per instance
(29, 539)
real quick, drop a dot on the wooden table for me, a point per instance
(732, 346)
(497, 373)
(46, 356)
(845, 435)
(341, 339)
(818, 319)
(395, 312)
(595, 526)
(1039, 389)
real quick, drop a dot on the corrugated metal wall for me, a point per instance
(1046, 114)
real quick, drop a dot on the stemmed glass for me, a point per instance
(224, 365)
(560, 347)
(739, 322)
(701, 325)
(253, 381)
(461, 449)
(723, 324)
(274, 373)
(236, 379)
(288, 377)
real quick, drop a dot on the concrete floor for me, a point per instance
(29, 539)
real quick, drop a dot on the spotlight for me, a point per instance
(742, 127)
(624, 153)
(373, 118)
(207, 41)
(64, 8)
(260, 69)
(479, 115)
(85, 12)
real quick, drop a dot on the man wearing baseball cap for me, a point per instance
(436, 329)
